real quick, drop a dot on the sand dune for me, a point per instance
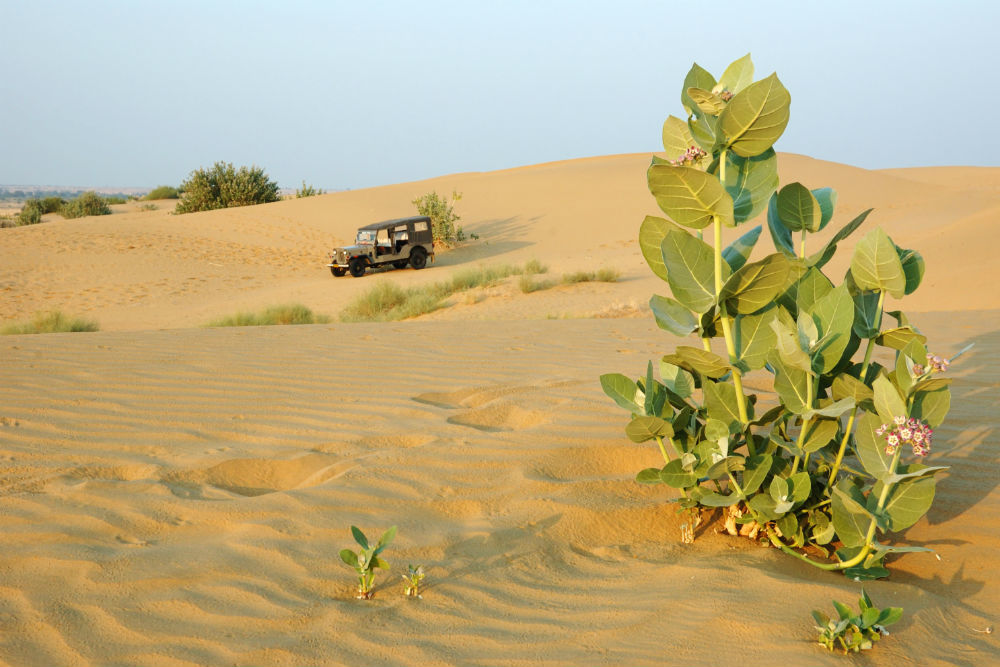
(179, 497)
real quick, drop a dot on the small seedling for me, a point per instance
(413, 577)
(855, 632)
(366, 560)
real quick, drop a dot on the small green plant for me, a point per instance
(528, 284)
(112, 200)
(413, 577)
(148, 207)
(88, 203)
(855, 632)
(293, 313)
(31, 212)
(533, 267)
(51, 322)
(366, 560)
(224, 186)
(443, 217)
(605, 275)
(307, 191)
(162, 192)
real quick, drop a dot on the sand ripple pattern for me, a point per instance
(179, 498)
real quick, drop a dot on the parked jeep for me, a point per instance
(398, 242)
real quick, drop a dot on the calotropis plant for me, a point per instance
(837, 461)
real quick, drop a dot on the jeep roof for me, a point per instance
(397, 221)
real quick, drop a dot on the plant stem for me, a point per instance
(663, 450)
(805, 426)
(854, 412)
(707, 344)
(802, 245)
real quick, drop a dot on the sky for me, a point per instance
(346, 95)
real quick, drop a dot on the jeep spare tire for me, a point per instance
(357, 267)
(418, 258)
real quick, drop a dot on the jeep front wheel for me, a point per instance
(418, 258)
(337, 271)
(357, 267)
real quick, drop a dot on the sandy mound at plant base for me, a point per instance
(179, 498)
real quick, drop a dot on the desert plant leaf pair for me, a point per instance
(837, 462)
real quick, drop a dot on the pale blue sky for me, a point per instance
(356, 94)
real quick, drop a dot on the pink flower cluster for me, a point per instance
(935, 364)
(691, 155)
(902, 431)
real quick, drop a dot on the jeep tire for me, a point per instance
(418, 258)
(337, 271)
(401, 263)
(357, 267)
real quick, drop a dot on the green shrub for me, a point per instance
(162, 192)
(601, 276)
(307, 191)
(533, 266)
(31, 212)
(51, 322)
(528, 284)
(224, 186)
(114, 199)
(443, 216)
(285, 314)
(88, 203)
(53, 204)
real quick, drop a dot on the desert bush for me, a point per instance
(52, 204)
(528, 284)
(604, 275)
(31, 212)
(443, 217)
(225, 186)
(821, 475)
(51, 322)
(115, 199)
(88, 203)
(533, 266)
(307, 191)
(275, 315)
(162, 192)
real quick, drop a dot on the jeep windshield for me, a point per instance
(366, 237)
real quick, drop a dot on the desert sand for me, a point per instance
(174, 495)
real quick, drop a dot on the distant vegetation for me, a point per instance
(443, 217)
(225, 186)
(163, 192)
(89, 203)
(285, 314)
(51, 322)
(307, 191)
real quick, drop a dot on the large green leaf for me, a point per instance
(827, 198)
(677, 137)
(713, 499)
(672, 316)
(798, 208)
(888, 401)
(788, 348)
(689, 196)
(707, 102)
(755, 285)
(751, 182)
(876, 265)
(826, 254)
(867, 317)
(622, 391)
(791, 384)
(913, 267)
(676, 379)
(697, 77)
(834, 315)
(833, 410)
(848, 386)
(870, 446)
(780, 234)
(850, 517)
(756, 116)
(738, 75)
(652, 231)
(690, 266)
(755, 338)
(642, 429)
(705, 131)
(707, 363)
(738, 252)
(721, 404)
(932, 406)
(757, 469)
(900, 337)
(673, 474)
(804, 292)
(819, 434)
(907, 501)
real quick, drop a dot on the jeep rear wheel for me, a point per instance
(357, 267)
(418, 258)
(337, 272)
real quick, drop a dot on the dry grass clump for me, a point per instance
(50, 322)
(605, 275)
(293, 313)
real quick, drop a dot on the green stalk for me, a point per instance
(663, 450)
(854, 412)
(802, 245)
(863, 554)
(805, 426)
